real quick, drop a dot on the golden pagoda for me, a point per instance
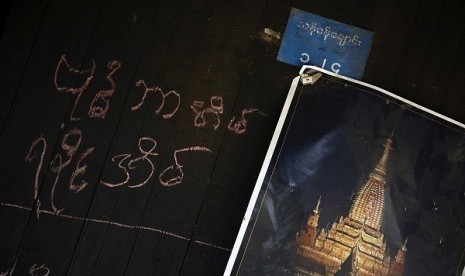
(357, 235)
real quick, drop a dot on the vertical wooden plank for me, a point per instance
(150, 205)
(182, 202)
(392, 23)
(439, 85)
(263, 86)
(4, 15)
(16, 47)
(327, 9)
(357, 13)
(39, 111)
(425, 30)
(118, 36)
(18, 37)
(238, 33)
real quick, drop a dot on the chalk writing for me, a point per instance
(155, 89)
(34, 270)
(130, 164)
(117, 224)
(175, 172)
(80, 169)
(101, 101)
(240, 126)
(74, 90)
(31, 156)
(102, 97)
(10, 271)
(70, 144)
(39, 270)
(173, 175)
(121, 166)
(71, 157)
(326, 32)
(215, 109)
(58, 160)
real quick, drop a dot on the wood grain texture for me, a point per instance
(202, 50)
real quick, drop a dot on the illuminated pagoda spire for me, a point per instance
(398, 266)
(313, 220)
(369, 204)
(358, 234)
(308, 235)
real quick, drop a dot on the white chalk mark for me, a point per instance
(215, 109)
(155, 89)
(178, 176)
(10, 271)
(70, 151)
(120, 165)
(117, 224)
(74, 90)
(176, 169)
(80, 169)
(146, 91)
(216, 103)
(18, 207)
(70, 144)
(103, 96)
(144, 157)
(57, 170)
(169, 115)
(240, 126)
(212, 245)
(38, 204)
(39, 270)
(131, 163)
(31, 156)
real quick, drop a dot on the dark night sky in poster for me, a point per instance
(333, 142)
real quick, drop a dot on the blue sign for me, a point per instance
(314, 40)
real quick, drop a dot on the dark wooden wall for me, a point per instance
(200, 49)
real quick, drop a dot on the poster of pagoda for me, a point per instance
(357, 181)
